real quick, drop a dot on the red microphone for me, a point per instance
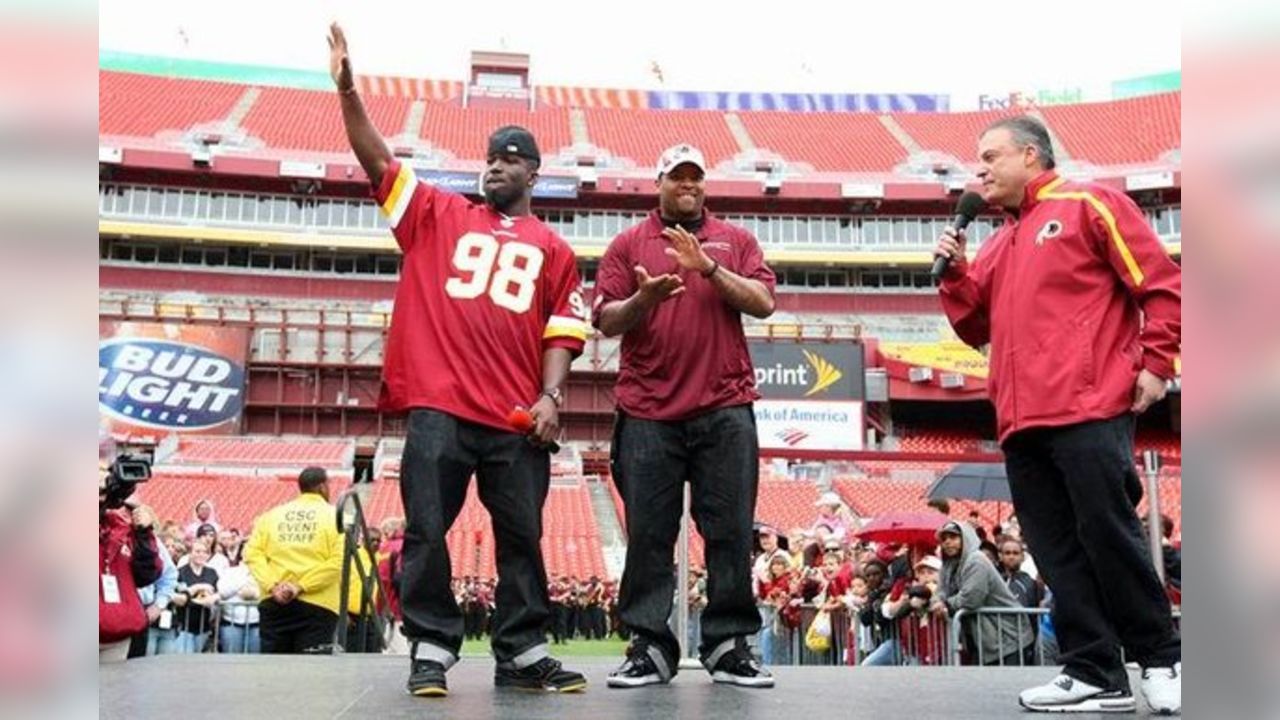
(522, 420)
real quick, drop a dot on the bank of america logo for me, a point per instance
(791, 436)
(826, 373)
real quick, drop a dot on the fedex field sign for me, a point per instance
(167, 384)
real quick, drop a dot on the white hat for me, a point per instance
(828, 498)
(678, 155)
(930, 561)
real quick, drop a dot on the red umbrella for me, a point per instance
(908, 528)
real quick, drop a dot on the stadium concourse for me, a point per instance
(246, 282)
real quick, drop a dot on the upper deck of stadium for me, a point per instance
(802, 139)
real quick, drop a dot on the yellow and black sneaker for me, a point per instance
(426, 679)
(546, 675)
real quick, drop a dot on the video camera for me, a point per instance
(123, 477)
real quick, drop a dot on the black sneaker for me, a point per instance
(546, 675)
(739, 667)
(645, 665)
(426, 679)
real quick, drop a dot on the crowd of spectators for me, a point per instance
(891, 603)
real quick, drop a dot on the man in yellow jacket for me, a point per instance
(295, 555)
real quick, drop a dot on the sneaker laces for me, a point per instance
(740, 661)
(638, 657)
(546, 667)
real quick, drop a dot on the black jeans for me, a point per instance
(1075, 490)
(718, 454)
(296, 627)
(441, 452)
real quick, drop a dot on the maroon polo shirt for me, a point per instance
(689, 354)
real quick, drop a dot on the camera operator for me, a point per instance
(127, 559)
(158, 638)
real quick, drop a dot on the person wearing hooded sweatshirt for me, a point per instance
(202, 514)
(970, 581)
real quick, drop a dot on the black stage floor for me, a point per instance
(189, 687)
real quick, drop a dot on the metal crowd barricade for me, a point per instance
(967, 648)
(235, 631)
(913, 639)
(1008, 653)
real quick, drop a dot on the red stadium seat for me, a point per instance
(144, 105)
(256, 452)
(828, 141)
(237, 500)
(312, 119)
(465, 132)
(1136, 130)
(955, 134)
(941, 442)
(642, 135)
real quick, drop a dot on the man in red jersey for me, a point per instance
(675, 287)
(1081, 306)
(488, 315)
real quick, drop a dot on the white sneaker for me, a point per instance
(1067, 694)
(1162, 687)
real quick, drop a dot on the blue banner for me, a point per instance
(552, 186)
(798, 102)
(468, 183)
(463, 183)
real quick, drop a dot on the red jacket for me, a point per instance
(765, 589)
(390, 565)
(1059, 292)
(131, 558)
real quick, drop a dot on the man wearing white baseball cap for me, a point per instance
(677, 155)
(675, 287)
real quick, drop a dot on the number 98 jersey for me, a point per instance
(481, 296)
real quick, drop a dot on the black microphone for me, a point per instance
(970, 204)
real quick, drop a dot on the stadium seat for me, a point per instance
(237, 500)
(955, 134)
(211, 450)
(642, 135)
(312, 119)
(144, 105)
(828, 141)
(1137, 130)
(465, 132)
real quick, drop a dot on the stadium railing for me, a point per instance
(368, 630)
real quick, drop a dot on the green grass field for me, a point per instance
(610, 648)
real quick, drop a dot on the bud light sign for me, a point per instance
(170, 383)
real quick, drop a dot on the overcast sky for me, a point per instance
(959, 48)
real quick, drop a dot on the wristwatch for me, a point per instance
(556, 395)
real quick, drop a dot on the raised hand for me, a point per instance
(686, 250)
(656, 289)
(339, 61)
